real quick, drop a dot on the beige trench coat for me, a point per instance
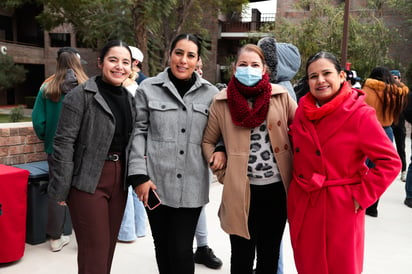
(234, 207)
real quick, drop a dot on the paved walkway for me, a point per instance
(388, 246)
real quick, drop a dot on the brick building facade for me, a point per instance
(22, 38)
(19, 144)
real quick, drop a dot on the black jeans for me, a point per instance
(173, 230)
(399, 133)
(267, 220)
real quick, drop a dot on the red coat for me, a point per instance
(329, 172)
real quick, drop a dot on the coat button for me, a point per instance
(277, 149)
(300, 176)
(163, 106)
(318, 152)
(297, 149)
(179, 175)
(181, 152)
(183, 130)
(279, 123)
(286, 146)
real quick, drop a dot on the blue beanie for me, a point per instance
(396, 73)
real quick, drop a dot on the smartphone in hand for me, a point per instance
(153, 200)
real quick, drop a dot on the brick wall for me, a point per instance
(19, 144)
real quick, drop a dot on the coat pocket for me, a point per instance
(199, 121)
(164, 120)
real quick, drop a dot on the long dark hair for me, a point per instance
(326, 55)
(111, 44)
(302, 86)
(392, 101)
(190, 37)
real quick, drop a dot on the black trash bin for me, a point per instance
(37, 203)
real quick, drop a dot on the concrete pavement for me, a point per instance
(388, 245)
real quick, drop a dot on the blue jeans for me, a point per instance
(134, 218)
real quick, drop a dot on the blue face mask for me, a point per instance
(248, 76)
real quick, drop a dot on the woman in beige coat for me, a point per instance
(252, 117)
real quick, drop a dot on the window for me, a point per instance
(59, 40)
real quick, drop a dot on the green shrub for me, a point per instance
(17, 114)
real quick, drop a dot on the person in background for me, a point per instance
(45, 116)
(134, 219)
(283, 60)
(352, 79)
(138, 59)
(252, 116)
(204, 254)
(333, 133)
(399, 129)
(407, 114)
(90, 154)
(389, 100)
(172, 112)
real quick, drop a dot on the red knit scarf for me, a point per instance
(237, 95)
(313, 112)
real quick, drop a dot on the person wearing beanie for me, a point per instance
(283, 61)
(407, 115)
(399, 130)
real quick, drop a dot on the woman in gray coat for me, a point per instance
(91, 147)
(166, 156)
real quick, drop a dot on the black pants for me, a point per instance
(173, 230)
(267, 219)
(399, 133)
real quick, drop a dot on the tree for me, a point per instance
(10, 73)
(149, 24)
(322, 27)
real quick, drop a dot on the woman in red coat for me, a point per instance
(333, 132)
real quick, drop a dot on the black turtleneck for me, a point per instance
(116, 99)
(182, 86)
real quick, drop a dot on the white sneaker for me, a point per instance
(403, 176)
(57, 245)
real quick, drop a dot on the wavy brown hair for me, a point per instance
(66, 60)
(393, 101)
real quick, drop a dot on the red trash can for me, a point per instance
(13, 209)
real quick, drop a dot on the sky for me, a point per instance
(264, 6)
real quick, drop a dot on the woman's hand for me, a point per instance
(218, 160)
(142, 191)
(357, 206)
(62, 203)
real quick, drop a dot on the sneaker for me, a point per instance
(403, 176)
(408, 202)
(57, 245)
(204, 255)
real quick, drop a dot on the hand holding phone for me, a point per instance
(153, 201)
